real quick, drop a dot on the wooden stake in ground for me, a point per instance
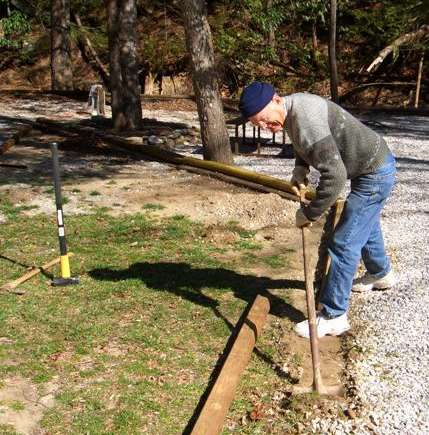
(419, 80)
(12, 285)
(212, 416)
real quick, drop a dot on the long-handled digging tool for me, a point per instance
(317, 386)
(13, 286)
(66, 278)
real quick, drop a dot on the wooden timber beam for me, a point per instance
(212, 416)
(157, 153)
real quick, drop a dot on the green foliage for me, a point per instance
(264, 18)
(87, 6)
(380, 25)
(153, 206)
(419, 11)
(13, 29)
(312, 11)
(240, 29)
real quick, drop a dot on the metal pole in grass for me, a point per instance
(66, 278)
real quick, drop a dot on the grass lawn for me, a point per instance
(132, 348)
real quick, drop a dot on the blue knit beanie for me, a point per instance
(255, 97)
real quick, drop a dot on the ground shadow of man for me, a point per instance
(187, 281)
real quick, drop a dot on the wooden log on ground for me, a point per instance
(215, 409)
(11, 286)
(237, 181)
(177, 159)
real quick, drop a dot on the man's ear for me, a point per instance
(277, 99)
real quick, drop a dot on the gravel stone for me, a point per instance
(155, 140)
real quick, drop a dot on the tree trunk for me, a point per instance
(124, 80)
(315, 46)
(419, 80)
(314, 37)
(61, 65)
(332, 54)
(271, 33)
(214, 134)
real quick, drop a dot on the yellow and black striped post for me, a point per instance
(66, 278)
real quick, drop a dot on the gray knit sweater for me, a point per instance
(331, 140)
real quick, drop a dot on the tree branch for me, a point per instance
(99, 66)
(403, 39)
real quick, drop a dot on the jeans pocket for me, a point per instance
(375, 187)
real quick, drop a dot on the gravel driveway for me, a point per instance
(393, 377)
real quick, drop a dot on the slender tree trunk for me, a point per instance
(125, 86)
(314, 39)
(332, 53)
(419, 80)
(61, 65)
(96, 62)
(315, 45)
(199, 43)
(271, 33)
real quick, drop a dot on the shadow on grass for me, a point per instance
(187, 282)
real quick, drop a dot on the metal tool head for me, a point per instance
(61, 282)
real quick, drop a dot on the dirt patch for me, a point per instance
(22, 404)
(126, 186)
(332, 366)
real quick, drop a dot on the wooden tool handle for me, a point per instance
(10, 286)
(311, 309)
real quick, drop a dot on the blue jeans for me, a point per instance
(357, 235)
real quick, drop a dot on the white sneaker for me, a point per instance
(325, 326)
(368, 282)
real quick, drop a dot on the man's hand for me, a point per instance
(299, 178)
(301, 219)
